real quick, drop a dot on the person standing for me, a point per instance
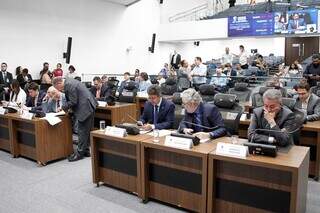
(175, 60)
(5, 82)
(83, 104)
(226, 58)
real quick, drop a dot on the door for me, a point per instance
(300, 48)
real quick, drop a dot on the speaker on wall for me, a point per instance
(161, 1)
(151, 49)
(67, 55)
(196, 43)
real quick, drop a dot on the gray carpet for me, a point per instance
(64, 187)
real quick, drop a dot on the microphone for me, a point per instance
(139, 123)
(199, 125)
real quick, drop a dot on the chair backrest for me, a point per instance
(300, 118)
(230, 111)
(242, 92)
(129, 93)
(176, 98)
(169, 87)
(113, 82)
(178, 116)
(207, 92)
(183, 83)
(289, 102)
(88, 84)
(316, 89)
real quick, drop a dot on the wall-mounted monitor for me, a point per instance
(296, 22)
(251, 25)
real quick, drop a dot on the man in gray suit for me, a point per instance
(53, 101)
(276, 120)
(83, 105)
(308, 102)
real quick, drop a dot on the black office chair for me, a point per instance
(183, 83)
(289, 102)
(179, 110)
(169, 87)
(300, 119)
(129, 93)
(230, 110)
(316, 89)
(207, 92)
(257, 100)
(113, 81)
(242, 92)
(88, 84)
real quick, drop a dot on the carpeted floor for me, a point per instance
(64, 187)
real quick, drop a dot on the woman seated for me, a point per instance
(17, 95)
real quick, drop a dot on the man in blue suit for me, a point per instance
(158, 112)
(201, 119)
(35, 96)
(296, 23)
(53, 101)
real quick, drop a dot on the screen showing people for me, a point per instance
(296, 22)
(289, 22)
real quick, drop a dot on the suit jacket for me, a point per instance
(30, 100)
(6, 82)
(285, 119)
(51, 104)
(79, 99)
(292, 24)
(165, 115)
(210, 117)
(104, 94)
(177, 62)
(313, 108)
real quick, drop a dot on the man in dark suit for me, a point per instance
(308, 102)
(5, 81)
(175, 60)
(126, 79)
(201, 119)
(35, 96)
(99, 90)
(312, 71)
(83, 105)
(158, 112)
(296, 23)
(277, 121)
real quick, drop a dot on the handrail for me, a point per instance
(188, 12)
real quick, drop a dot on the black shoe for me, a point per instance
(75, 157)
(87, 154)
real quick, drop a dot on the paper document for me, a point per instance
(102, 103)
(52, 120)
(204, 140)
(243, 117)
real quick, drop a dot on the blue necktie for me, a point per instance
(197, 121)
(155, 114)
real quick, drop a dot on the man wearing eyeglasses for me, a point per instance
(158, 112)
(5, 81)
(308, 102)
(277, 120)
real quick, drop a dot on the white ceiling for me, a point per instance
(123, 2)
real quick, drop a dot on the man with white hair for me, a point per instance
(277, 121)
(201, 119)
(53, 101)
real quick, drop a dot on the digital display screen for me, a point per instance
(296, 22)
(251, 25)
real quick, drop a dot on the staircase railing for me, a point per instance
(191, 14)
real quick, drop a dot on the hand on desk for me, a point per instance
(202, 135)
(146, 127)
(187, 131)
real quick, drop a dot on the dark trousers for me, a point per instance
(84, 128)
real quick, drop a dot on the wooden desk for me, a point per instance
(116, 161)
(309, 136)
(36, 139)
(175, 176)
(116, 114)
(258, 183)
(5, 133)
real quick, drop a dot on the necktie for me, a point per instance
(155, 114)
(197, 122)
(58, 104)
